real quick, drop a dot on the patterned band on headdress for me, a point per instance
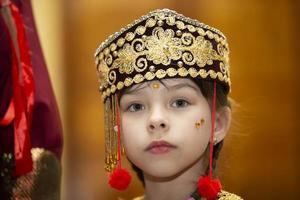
(159, 45)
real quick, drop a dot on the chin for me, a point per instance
(161, 173)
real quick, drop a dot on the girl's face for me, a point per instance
(158, 126)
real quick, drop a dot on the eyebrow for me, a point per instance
(182, 85)
(169, 88)
(135, 90)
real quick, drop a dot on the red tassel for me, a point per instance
(209, 188)
(119, 179)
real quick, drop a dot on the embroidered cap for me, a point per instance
(162, 44)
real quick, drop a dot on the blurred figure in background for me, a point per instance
(30, 127)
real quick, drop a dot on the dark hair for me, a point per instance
(222, 100)
(206, 88)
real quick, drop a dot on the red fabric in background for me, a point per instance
(45, 130)
(6, 89)
(23, 94)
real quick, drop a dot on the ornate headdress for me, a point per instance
(161, 44)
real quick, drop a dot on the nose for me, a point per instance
(158, 122)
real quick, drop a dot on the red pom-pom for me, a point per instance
(119, 179)
(209, 188)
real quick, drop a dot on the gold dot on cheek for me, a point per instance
(202, 121)
(199, 123)
(155, 85)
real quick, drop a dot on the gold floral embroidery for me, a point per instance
(203, 52)
(225, 62)
(163, 46)
(171, 18)
(126, 59)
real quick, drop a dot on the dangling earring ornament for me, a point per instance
(120, 178)
(199, 123)
(207, 186)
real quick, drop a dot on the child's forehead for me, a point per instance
(165, 83)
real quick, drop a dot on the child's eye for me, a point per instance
(179, 103)
(135, 107)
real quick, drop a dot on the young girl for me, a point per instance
(164, 80)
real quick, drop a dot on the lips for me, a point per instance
(159, 147)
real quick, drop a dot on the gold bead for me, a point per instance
(160, 23)
(155, 85)
(115, 53)
(112, 166)
(178, 33)
(152, 68)
(180, 64)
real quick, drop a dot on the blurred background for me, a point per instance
(260, 158)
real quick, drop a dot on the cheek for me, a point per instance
(188, 120)
(195, 139)
(134, 142)
(131, 134)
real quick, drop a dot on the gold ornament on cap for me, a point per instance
(155, 85)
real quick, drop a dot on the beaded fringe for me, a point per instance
(111, 134)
